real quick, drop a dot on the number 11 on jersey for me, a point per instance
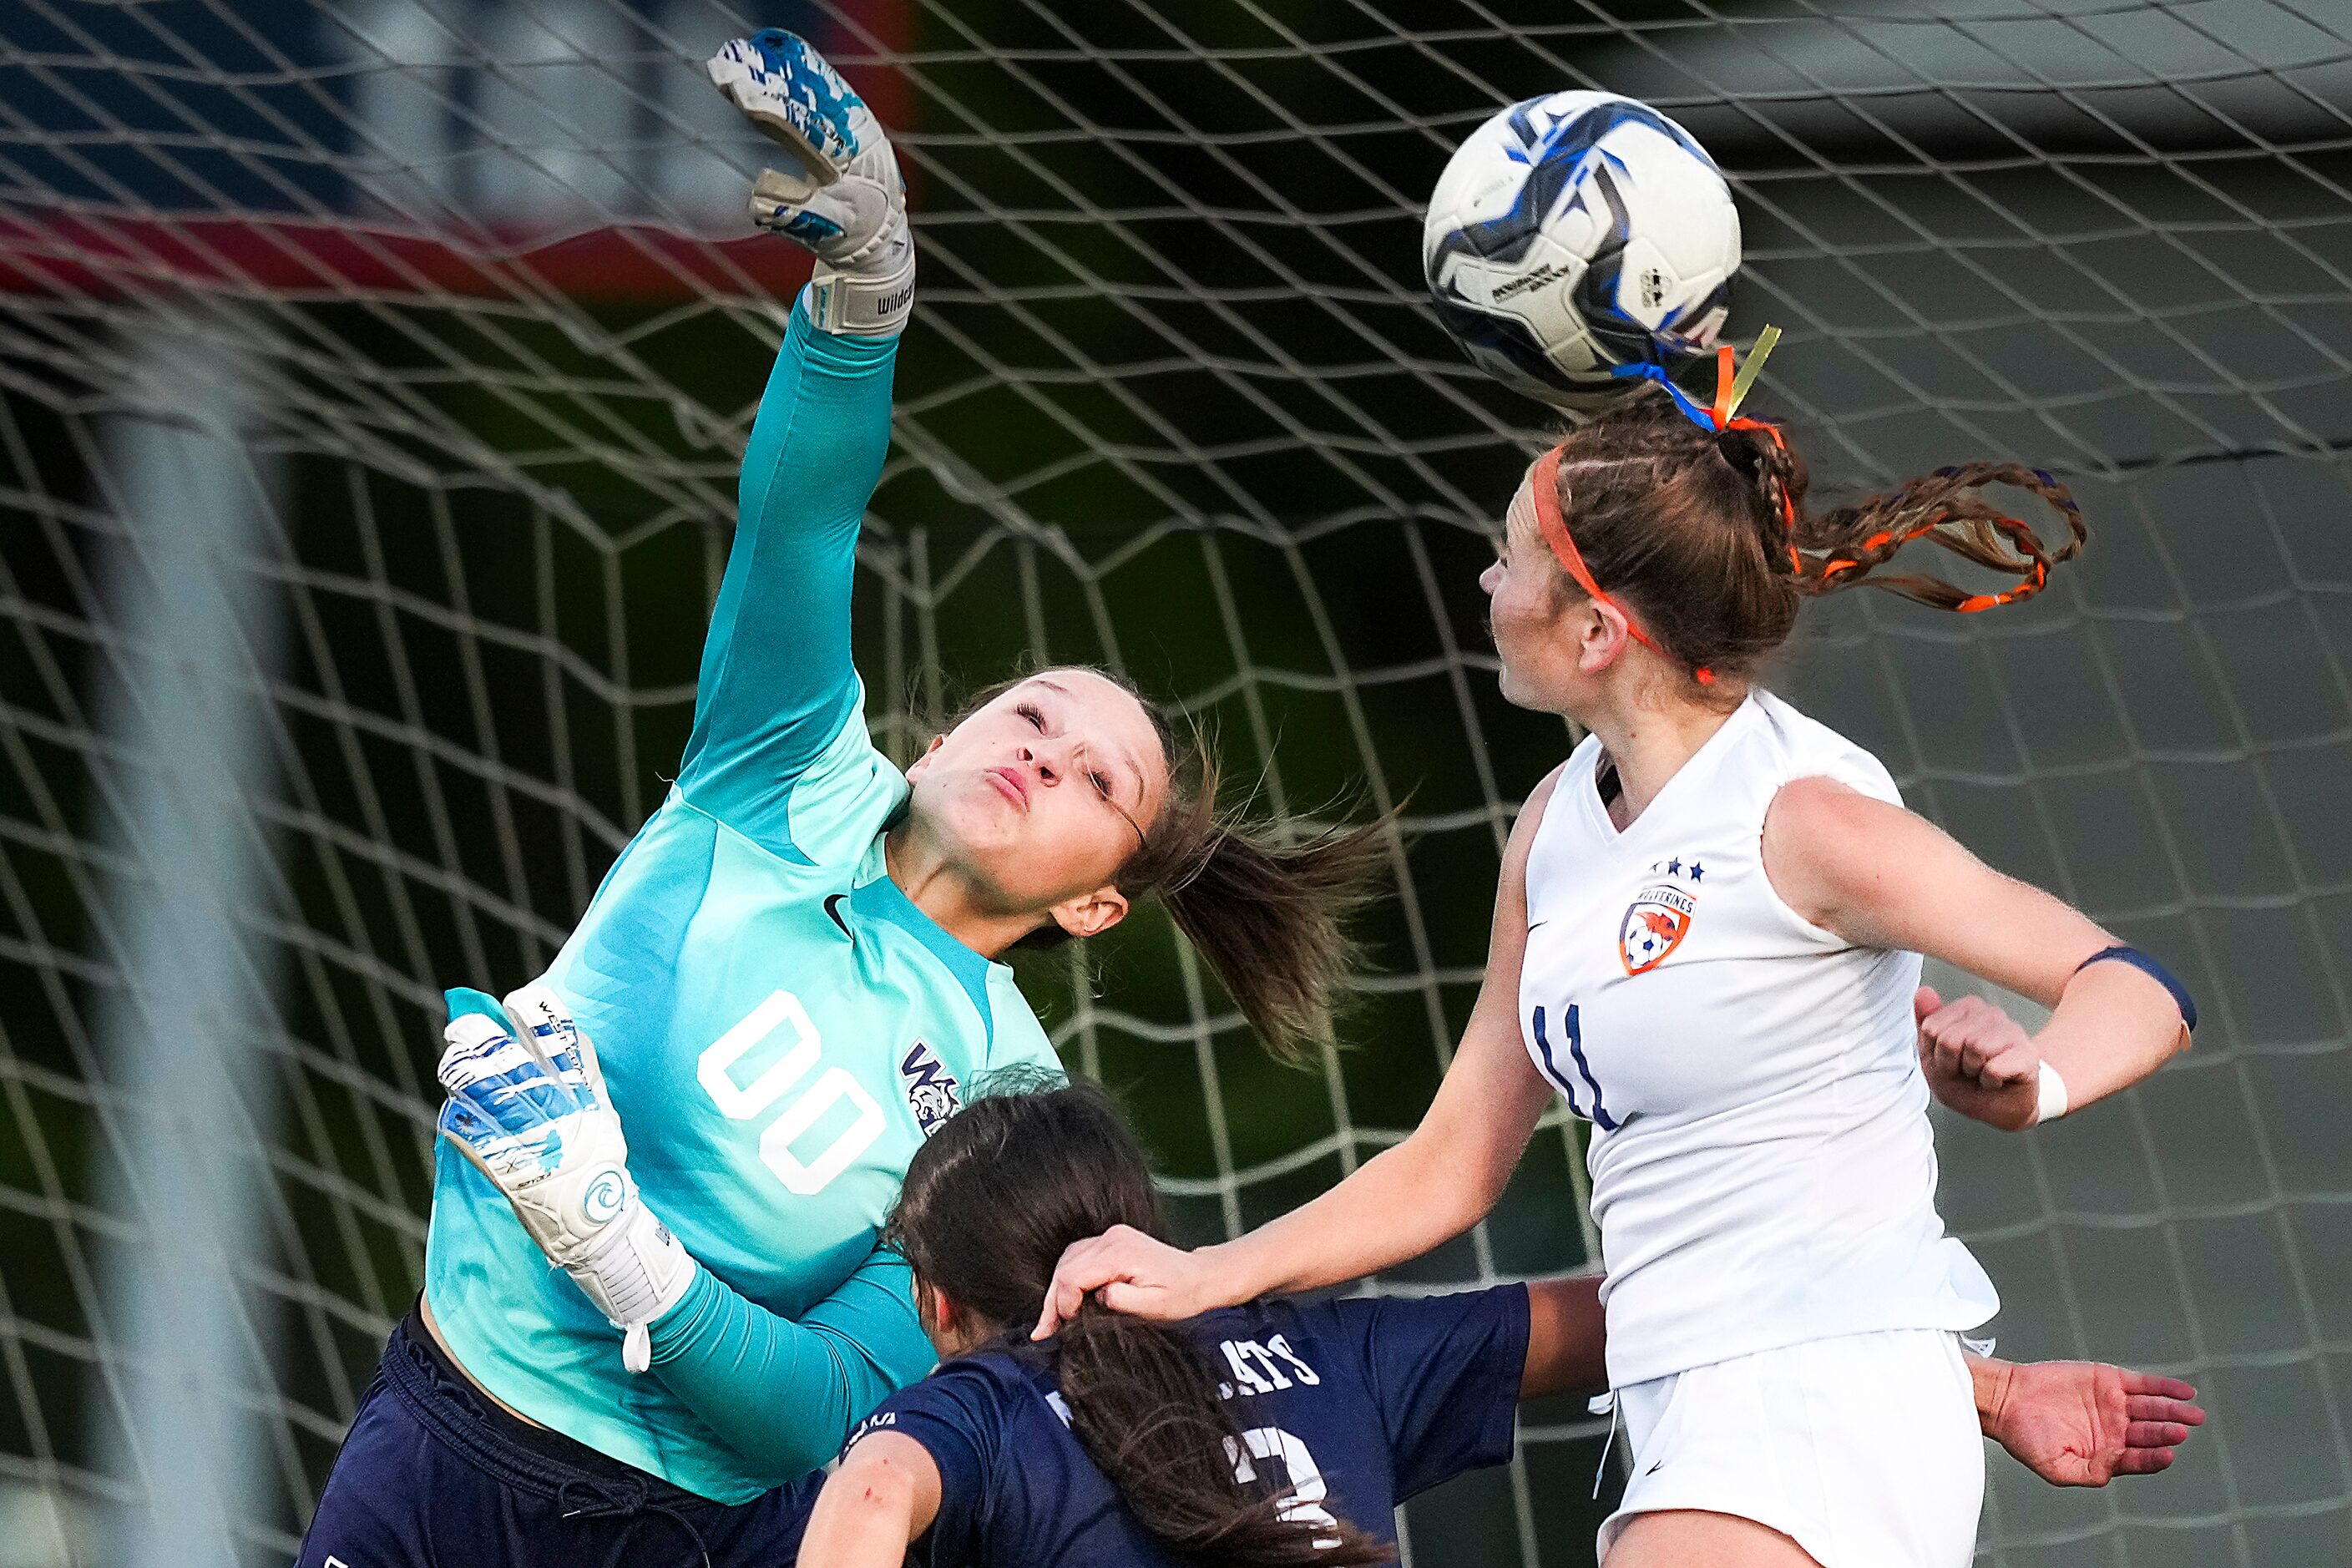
(1573, 1031)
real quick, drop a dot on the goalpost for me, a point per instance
(486, 330)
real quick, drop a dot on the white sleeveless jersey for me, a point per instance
(1762, 1168)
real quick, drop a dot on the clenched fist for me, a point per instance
(1979, 1060)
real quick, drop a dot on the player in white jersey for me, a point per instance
(1708, 938)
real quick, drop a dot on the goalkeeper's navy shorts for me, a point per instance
(434, 1475)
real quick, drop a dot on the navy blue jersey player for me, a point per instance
(1345, 1408)
(1279, 1431)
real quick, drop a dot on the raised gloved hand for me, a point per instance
(527, 1106)
(846, 201)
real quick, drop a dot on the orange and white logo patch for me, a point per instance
(1654, 925)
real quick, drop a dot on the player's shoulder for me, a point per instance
(1367, 1317)
(1796, 745)
(1293, 1318)
(1353, 1329)
(993, 1368)
(1314, 1316)
(999, 1433)
(980, 1394)
(1580, 761)
(1017, 1041)
(849, 792)
(1394, 1361)
(1536, 810)
(1545, 842)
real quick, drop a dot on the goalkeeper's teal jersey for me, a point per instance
(780, 1026)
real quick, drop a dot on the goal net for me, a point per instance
(372, 375)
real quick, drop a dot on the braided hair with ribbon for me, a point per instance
(1690, 520)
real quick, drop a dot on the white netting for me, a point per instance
(433, 316)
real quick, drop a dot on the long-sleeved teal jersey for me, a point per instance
(780, 1026)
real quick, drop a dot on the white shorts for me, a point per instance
(1864, 1449)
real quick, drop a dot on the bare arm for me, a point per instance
(1567, 1335)
(886, 1493)
(1400, 1204)
(1880, 875)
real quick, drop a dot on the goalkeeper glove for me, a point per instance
(527, 1106)
(846, 201)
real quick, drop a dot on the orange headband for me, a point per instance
(1544, 480)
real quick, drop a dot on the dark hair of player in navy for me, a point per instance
(1265, 901)
(1704, 532)
(990, 1203)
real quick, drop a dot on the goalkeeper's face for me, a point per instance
(1040, 796)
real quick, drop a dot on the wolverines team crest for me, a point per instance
(1658, 920)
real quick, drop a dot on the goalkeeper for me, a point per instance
(793, 971)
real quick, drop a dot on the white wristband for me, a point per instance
(863, 304)
(2049, 1096)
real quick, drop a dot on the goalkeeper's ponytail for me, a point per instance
(1265, 901)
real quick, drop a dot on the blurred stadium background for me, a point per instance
(371, 374)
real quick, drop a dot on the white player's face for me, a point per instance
(1524, 611)
(1043, 794)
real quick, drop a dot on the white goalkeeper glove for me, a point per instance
(845, 202)
(527, 1106)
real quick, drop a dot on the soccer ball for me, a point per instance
(1576, 235)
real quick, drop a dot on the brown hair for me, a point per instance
(989, 1203)
(1263, 899)
(1706, 531)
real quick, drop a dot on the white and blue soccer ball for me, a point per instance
(1576, 236)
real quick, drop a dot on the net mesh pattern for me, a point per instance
(456, 297)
